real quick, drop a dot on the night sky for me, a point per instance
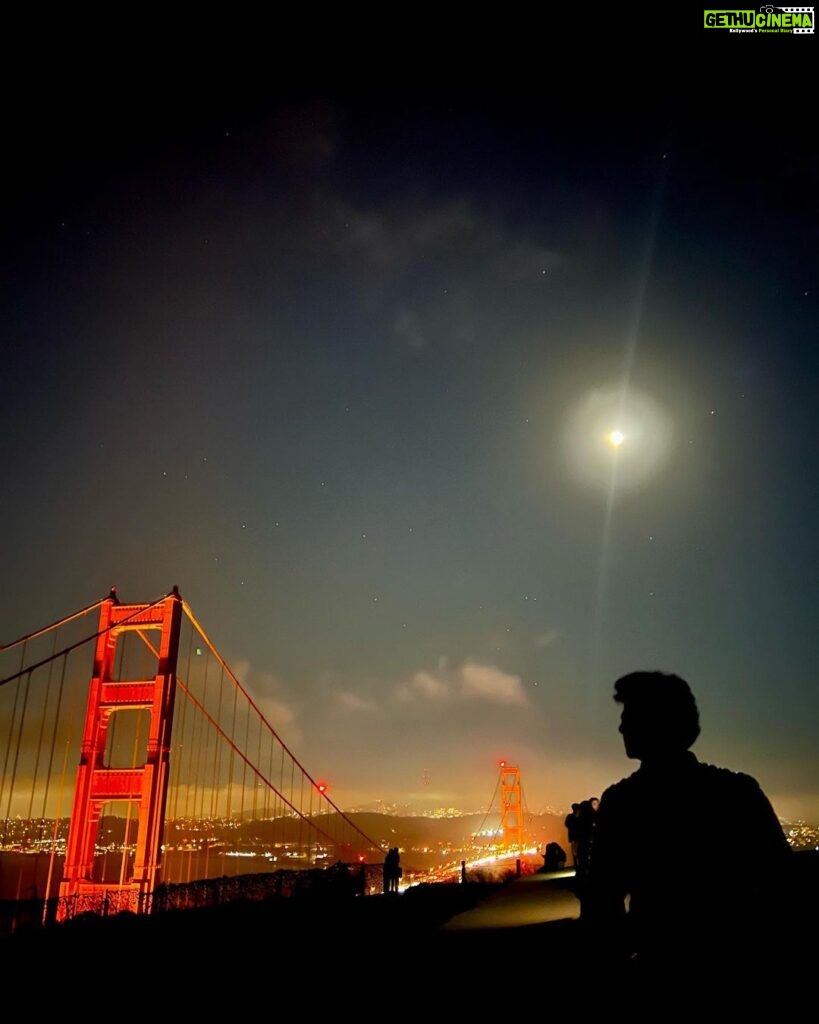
(340, 361)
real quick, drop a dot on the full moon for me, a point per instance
(641, 438)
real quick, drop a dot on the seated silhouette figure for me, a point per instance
(554, 857)
(689, 860)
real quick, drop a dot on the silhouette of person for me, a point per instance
(397, 870)
(686, 856)
(554, 857)
(392, 869)
(584, 832)
(571, 822)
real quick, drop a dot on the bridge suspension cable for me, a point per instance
(238, 799)
(273, 734)
(66, 650)
(54, 625)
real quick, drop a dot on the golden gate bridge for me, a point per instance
(137, 774)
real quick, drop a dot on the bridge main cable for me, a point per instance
(189, 612)
(54, 625)
(79, 643)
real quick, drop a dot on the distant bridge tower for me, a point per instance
(511, 807)
(145, 786)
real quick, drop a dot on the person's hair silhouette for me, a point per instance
(659, 716)
(685, 855)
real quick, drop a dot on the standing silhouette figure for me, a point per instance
(396, 870)
(392, 869)
(571, 822)
(688, 859)
(584, 834)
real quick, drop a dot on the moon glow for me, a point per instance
(638, 445)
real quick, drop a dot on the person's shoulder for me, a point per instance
(622, 789)
(734, 787)
(727, 777)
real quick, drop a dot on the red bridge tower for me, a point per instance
(145, 786)
(511, 807)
